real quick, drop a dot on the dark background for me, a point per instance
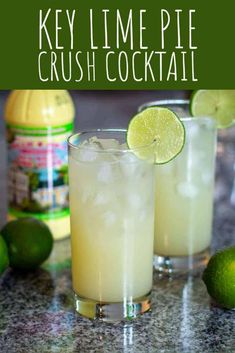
(106, 109)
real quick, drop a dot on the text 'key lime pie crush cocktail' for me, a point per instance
(184, 195)
(112, 221)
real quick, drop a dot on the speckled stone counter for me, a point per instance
(37, 316)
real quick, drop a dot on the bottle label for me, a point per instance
(38, 171)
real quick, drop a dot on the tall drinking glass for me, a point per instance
(184, 196)
(112, 225)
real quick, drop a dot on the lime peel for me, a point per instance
(29, 243)
(217, 104)
(4, 259)
(160, 130)
(219, 277)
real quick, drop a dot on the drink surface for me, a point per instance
(184, 194)
(38, 125)
(112, 221)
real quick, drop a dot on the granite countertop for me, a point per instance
(37, 316)
(36, 309)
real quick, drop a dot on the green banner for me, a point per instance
(125, 44)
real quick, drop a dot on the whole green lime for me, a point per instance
(29, 243)
(219, 277)
(4, 259)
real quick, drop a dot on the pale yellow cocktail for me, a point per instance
(184, 194)
(112, 224)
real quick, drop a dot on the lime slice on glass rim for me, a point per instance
(218, 104)
(159, 127)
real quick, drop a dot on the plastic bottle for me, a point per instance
(38, 123)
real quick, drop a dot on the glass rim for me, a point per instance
(163, 102)
(107, 150)
(205, 119)
(180, 102)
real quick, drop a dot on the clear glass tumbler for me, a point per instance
(112, 225)
(184, 196)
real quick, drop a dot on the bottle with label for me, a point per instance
(38, 123)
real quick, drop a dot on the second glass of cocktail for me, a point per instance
(184, 196)
(112, 225)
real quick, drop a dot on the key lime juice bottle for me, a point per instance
(38, 124)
